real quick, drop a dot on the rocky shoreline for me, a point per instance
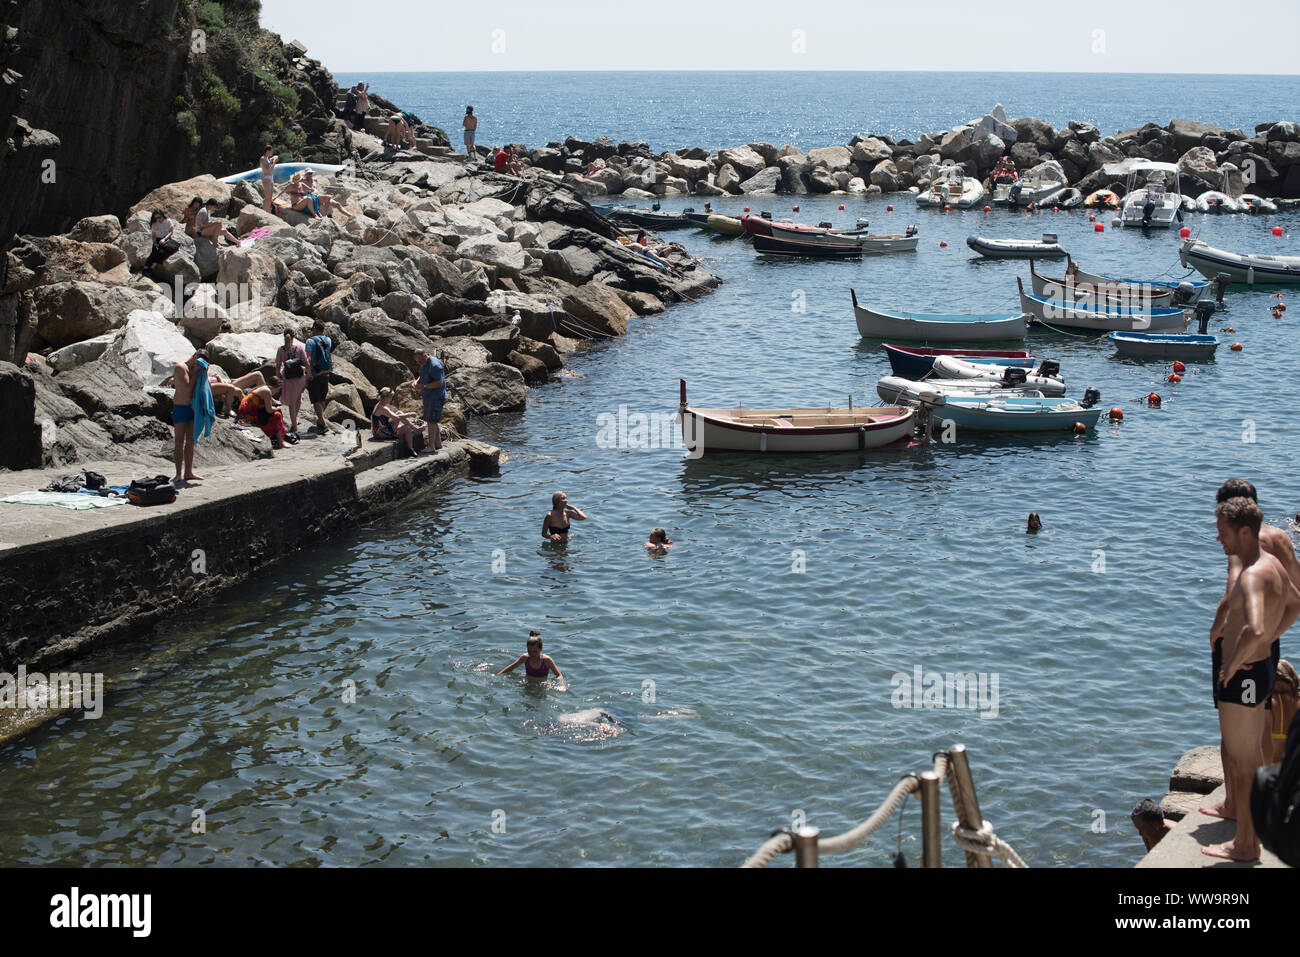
(1211, 158)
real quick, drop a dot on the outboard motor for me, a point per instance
(765, 214)
(1090, 398)
(689, 209)
(1014, 376)
(1185, 293)
(824, 225)
(655, 207)
(1204, 310)
(1148, 210)
(862, 222)
(911, 230)
(1048, 367)
(1220, 283)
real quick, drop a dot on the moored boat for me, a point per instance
(1066, 198)
(1045, 248)
(916, 362)
(932, 327)
(727, 225)
(1088, 283)
(1072, 289)
(1250, 268)
(1038, 183)
(1101, 199)
(824, 245)
(1100, 316)
(1045, 379)
(897, 389)
(649, 218)
(1213, 201)
(1154, 345)
(1010, 413)
(951, 187)
(1250, 203)
(825, 429)
(1153, 195)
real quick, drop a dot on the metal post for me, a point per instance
(931, 845)
(805, 846)
(970, 805)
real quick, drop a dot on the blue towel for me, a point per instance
(205, 413)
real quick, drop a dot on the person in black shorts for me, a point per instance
(319, 350)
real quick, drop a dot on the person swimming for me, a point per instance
(1034, 523)
(555, 524)
(659, 541)
(536, 664)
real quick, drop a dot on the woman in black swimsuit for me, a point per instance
(536, 664)
(555, 525)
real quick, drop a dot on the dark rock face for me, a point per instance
(20, 439)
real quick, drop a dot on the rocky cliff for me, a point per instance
(103, 100)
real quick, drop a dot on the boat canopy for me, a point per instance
(1137, 165)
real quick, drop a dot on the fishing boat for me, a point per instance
(1154, 345)
(1086, 284)
(1067, 198)
(727, 225)
(1101, 199)
(696, 219)
(1045, 379)
(1250, 203)
(1100, 316)
(1153, 194)
(899, 242)
(823, 246)
(951, 187)
(1036, 184)
(1010, 413)
(1254, 269)
(916, 362)
(899, 390)
(929, 327)
(764, 225)
(648, 218)
(1213, 201)
(283, 171)
(1046, 248)
(824, 429)
(1001, 180)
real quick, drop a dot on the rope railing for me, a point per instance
(972, 833)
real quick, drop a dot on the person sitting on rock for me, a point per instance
(260, 408)
(190, 215)
(500, 160)
(210, 227)
(231, 391)
(164, 246)
(387, 424)
(300, 197)
(1286, 702)
(323, 201)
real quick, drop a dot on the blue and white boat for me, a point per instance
(1008, 413)
(1154, 345)
(1103, 315)
(931, 327)
(283, 171)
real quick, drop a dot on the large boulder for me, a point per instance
(149, 345)
(461, 352)
(68, 312)
(250, 275)
(762, 182)
(204, 313)
(508, 258)
(96, 229)
(495, 387)
(597, 305)
(1033, 130)
(1188, 133)
(886, 176)
(241, 352)
(728, 179)
(690, 170)
(1284, 131)
(831, 157)
(79, 353)
(1102, 152)
(1199, 161)
(1000, 128)
(396, 339)
(67, 259)
(870, 150)
(174, 197)
(746, 161)
(553, 201)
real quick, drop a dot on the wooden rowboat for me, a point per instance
(1152, 345)
(923, 327)
(825, 246)
(1107, 315)
(824, 429)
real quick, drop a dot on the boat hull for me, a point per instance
(1155, 346)
(898, 390)
(726, 225)
(1253, 270)
(918, 363)
(1015, 248)
(706, 431)
(1014, 415)
(778, 246)
(1056, 314)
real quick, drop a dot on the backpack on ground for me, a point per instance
(158, 490)
(1275, 802)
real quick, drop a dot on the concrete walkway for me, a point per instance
(1181, 847)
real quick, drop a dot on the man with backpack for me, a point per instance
(319, 366)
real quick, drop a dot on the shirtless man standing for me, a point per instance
(183, 377)
(1277, 543)
(1263, 603)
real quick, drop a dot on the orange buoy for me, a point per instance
(1080, 428)
(1092, 217)
(1279, 295)
(1175, 377)
(746, 209)
(1056, 209)
(889, 209)
(1179, 367)
(947, 208)
(1098, 227)
(1184, 232)
(1116, 413)
(1277, 230)
(987, 208)
(943, 245)
(1280, 307)
(1277, 313)
(841, 205)
(1236, 347)
(796, 209)
(1153, 399)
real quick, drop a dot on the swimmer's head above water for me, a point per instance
(1034, 523)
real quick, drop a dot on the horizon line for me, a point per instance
(823, 70)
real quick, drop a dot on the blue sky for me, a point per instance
(1196, 36)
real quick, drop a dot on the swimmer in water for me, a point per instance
(536, 664)
(555, 524)
(1034, 523)
(659, 542)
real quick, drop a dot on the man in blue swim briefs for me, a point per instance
(183, 377)
(1263, 603)
(431, 386)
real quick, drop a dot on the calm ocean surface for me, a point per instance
(739, 689)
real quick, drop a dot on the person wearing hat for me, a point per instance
(471, 127)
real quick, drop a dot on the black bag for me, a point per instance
(293, 369)
(158, 490)
(95, 481)
(1275, 802)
